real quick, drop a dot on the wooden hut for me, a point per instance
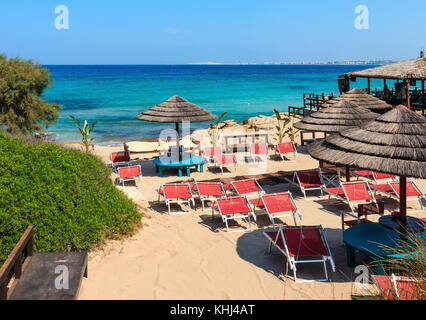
(407, 71)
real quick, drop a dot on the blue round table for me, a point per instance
(413, 224)
(167, 162)
(377, 242)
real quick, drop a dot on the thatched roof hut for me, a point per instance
(394, 143)
(175, 110)
(414, 69)
(338, 116)
(362, 99)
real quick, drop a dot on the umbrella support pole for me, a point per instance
(178, 142)
(348, 174)
(403, 207)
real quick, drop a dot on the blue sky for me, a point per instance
(228, 31)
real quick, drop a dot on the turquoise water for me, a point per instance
(114, 95)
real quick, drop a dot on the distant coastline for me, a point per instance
(326, 63)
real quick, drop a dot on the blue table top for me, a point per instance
(413, 224)
(376, 240)
(169, 161)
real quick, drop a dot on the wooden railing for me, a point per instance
(16, 262)
(315, 100)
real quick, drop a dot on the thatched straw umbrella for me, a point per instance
(394, 143)
(176, 110)
(338, 116)
(362, 99)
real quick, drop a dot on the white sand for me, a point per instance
(193, 257)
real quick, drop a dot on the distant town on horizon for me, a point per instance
(349, 62)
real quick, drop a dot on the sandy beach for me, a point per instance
(193, 257)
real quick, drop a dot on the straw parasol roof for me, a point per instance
(362, 99)
(175, 110)
(338, 116)
(394, 143)
(414, 69)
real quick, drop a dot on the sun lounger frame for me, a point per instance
(226, 217)
(277, 150)
(210, 158)
(346, 198)
(303, 189)
(262, 156)
(395, 194)
(372, 177)
(122, 180)
(273, 216)
(115, 165)
(213, 158)
(208, 198)
(292, 261)
(222, 165)
(392, 285)
(249, 195)
(169, 201)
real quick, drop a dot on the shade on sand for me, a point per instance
(394, 143)
(176, 110)
(362, 99)
(414, 69)
(338, 116)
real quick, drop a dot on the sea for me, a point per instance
(114, 94)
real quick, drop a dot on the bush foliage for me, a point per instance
(22, 82)
(68, 196)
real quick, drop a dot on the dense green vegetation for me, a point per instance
(67, 195)
(22, 82)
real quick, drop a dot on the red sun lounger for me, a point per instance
(278, 205)
(353, 193)
(259, 150)
(391, 188)
(208, 191)
(302, 244)
(210, 152)
(308, 180)
(374, 176)
(218, 158)
(121, 158)
(176, 193)
(231, 208)
(401, 288)
(226, 160)
(247, 187)
(129, 173)
(286, 148)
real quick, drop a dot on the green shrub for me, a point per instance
(68, 196)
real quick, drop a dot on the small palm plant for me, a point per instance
(215, 129)
(85, 132)
(283, 121)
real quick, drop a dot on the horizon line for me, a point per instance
(207, 64)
